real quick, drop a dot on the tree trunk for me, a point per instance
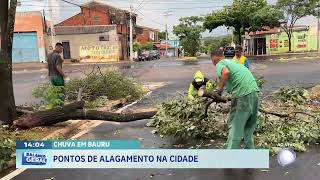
(75, 111)
(7, 103)
(289, 41)
(48, 117)
(239, 35)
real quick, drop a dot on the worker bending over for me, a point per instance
(243, 88)
(198, 82)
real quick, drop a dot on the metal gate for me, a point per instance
(25, 47)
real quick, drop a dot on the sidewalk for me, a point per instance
(286, 56)
(39, 65)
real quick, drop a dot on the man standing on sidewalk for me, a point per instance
(56, 74)
(243, 88)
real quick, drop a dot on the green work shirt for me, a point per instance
(240, 82)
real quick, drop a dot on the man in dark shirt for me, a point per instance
(56, 74)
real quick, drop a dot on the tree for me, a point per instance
(293, 10)
(189, 32)
(138, 46)
(211, 43)
(7, 103)
(162, 35)
(147, 46)
(243, 15)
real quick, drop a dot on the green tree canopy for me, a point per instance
(243, 15)
(211, 43)
(162, 35)
(293, 10)
(138, 46)
(189, 32)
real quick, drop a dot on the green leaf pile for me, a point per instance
(293, 96)
(7, 147)
(185, 119)
(97, 87)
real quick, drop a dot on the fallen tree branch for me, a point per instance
(208, 104)
(282, 115)
(218, 99)
(75, 111)
(47, 117)
(21, 110)
(212, 95)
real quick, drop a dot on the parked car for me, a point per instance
(229, 51)
(144, 56)
(155, 54)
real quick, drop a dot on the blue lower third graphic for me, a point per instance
(29, 158)
(142, 158)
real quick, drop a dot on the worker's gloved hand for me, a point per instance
(217, 91)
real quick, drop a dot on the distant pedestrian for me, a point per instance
(240, 58)
(56, 74)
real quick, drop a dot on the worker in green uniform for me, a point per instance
(55, 72)
(55, 61)
(198, 82)
(243, 88)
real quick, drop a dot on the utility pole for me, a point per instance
(318, 29)
(52, 26)
(166, 14)
(131, 34)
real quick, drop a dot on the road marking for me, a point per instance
(135, 102)
(154, 85)
(29, 71)
(13, 174)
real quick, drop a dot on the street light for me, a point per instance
(166, 14)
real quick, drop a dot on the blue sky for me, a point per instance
(150, 12)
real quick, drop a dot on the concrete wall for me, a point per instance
(302, 41)
(172, 43)
(82, 45)
(32, 22)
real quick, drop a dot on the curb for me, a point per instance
(40, 66)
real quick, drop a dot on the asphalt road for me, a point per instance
(175, 76)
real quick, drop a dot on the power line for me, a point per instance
(71, 3)
(177, 8)
(152, 20)
(140, 7)
(173, 2)
(140, 4)
(160, 9)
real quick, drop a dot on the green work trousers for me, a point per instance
(57, 80)
(243, 121)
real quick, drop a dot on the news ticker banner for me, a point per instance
(127, 154)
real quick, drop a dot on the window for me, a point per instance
(104, 38)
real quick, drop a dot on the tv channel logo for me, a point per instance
(29, 158)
